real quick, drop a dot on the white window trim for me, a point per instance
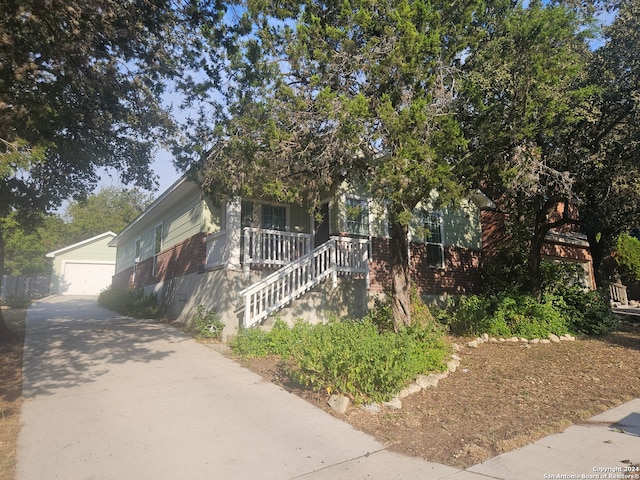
(441, 245)
(345, 222)
(137, 250)
(257, 213)
(155, 254)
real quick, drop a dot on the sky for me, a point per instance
(167, 174)
(162, 166)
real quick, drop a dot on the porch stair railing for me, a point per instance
(337, 256)
(618, 293)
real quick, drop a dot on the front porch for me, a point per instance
(295, 264)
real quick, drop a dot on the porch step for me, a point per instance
(289, 283)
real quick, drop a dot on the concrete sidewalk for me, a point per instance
(108, 397)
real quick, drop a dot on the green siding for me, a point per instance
(462, 226)
(212, 216)
(97, 251)
(181, 223)
(184, 220)
(379, 219)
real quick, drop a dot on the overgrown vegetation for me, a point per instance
(628, 255)
(364, 359)
(207, 325)
(130, 302)
(566, 306)
(16, 301)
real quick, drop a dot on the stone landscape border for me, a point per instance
(340, 403)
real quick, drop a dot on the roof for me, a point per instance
(80, 244)
(174, 193)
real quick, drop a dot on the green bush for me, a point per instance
(467, 315)
(523, 316)
(17, 301)
(588, 311)
(130, 302)
(381, 314)
(206, 324)
(506, 315)
(352, 357)
(628, 255)
(251, 343)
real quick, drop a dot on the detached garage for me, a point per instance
(84, 268)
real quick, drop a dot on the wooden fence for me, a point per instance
(32, 286)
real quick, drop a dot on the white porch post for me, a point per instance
(333, 252)
(234, 233)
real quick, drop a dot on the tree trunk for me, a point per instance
(534, 257)
(598, 252)
(400, 275)
(6, 335)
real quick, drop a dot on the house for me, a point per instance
(566, 244)
(247, 258)
(84, 268)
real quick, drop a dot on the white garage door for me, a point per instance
(86, 278)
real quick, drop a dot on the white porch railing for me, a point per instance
(273, 247)
(618, 293)
(338, 255)
(352, 255)
(216, 247)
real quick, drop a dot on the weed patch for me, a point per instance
(352, 357)
(207, 325)
(130, 302)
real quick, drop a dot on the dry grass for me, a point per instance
(10, 393)
(502, 397)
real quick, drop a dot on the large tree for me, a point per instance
(524, 94)
(111, 209)
(606, 142)
(80, 82)
(324, 91)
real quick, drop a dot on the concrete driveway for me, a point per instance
(108, 397)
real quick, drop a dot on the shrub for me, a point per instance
(524, 316)
(251, 343)
(129, 302)
(628, 255)
(352, 357)
(506, 315)
(17, 301)
(467, 315)
(207, 325)
(588, 311)
(381, 314)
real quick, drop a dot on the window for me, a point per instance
(357, 216)
(158, 240)
(136, 259)
(429, 231)
(246, 214)
(157, 246)
(274, 217)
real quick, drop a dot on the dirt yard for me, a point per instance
(10, 393)
(502, 396)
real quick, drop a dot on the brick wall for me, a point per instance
(572, 252)
(181, 259)
(123, 279)
(494, 233)
(460, 275)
